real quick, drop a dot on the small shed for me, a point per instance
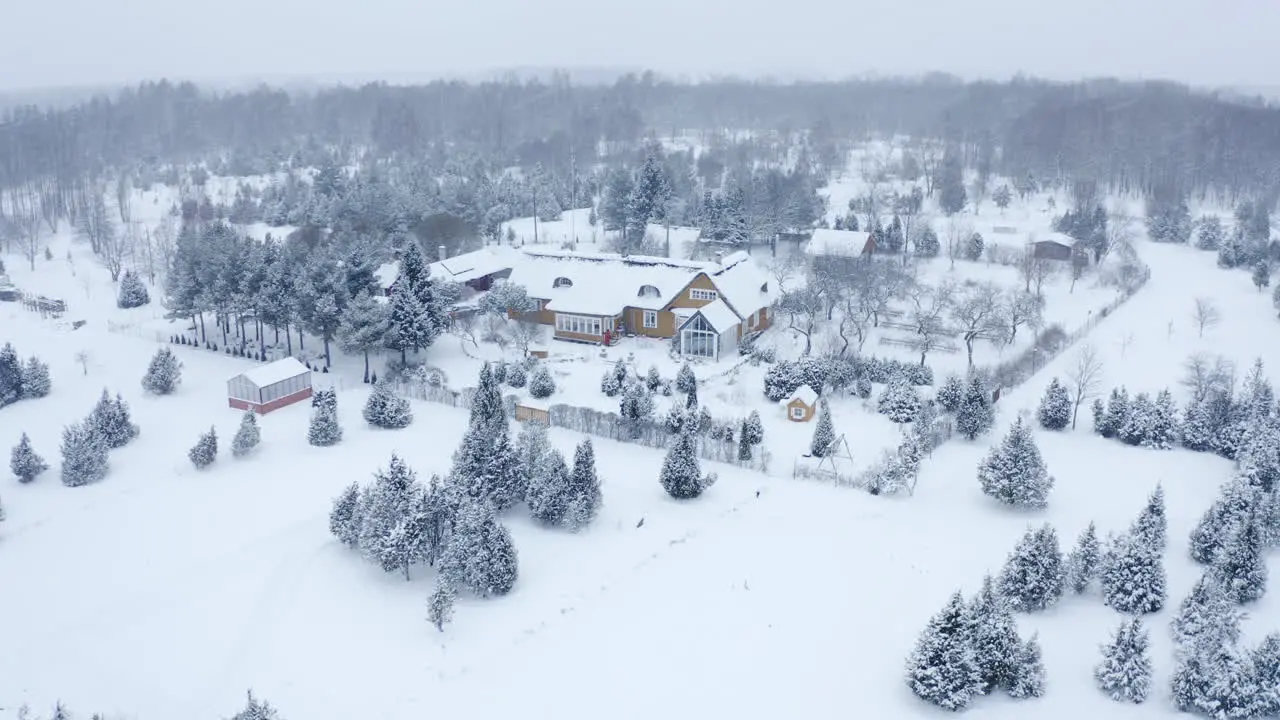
(1056, 246)
(270, 387)
(802, 406)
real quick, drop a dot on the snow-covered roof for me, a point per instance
(387, 273)
(475, 264)
(742, 283)
(274, 372)
(1057, 237)
(804, 394)
(840, 243)
(719, 314)
(603, 283)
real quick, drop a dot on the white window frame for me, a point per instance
(797, 413)
(651, 319)
(579, 324)
(701, 294)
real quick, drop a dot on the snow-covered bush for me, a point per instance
(132, 292)
(35, 379)
(24, 462)
(541, 384)
(247, 435)
(951, 394)
(164, 374)
(110, 420)
(899, 401)
(205, 451)
(1055, 407)
(1014, 473)
(385, 409)
(84, 455)
(517, 376)
(681, 475)
(324, 429)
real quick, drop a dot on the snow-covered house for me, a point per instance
(476, 270)
(270, 387)
(827, 243)
(802, 405)
(1057, 246)
(593, 297)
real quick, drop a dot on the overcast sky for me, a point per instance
(75, 42)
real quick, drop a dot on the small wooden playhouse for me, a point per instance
(802, 405)
(270, 387)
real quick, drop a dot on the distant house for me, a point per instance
(595, 297)
(476, 270)
(802, 405)
(270, 387)
(1057, 247)
(843, 244)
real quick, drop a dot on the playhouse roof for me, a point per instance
(274, 372)
(804, 394)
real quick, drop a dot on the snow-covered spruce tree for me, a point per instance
(205, 451)
(541, 384)
(652, 379)
(899, 401)
(344, 518)
(548, 493)
(993, 636)
(1165, 429)
(410, 539)
(1117, 413)
(1237, 499)
(862, 386)
(1133, 578)
(1055, 407)
(385, 409)
(1218, 680)
(256, 710)
(585, 498)
(532, 450)
(35, 379)
(24, 462)
(440, 605)
(1152, 525)
(1205, 611)
(384, 504)
(951, 394)
(517, 376)
(1014, 473)
(132, 292)
(1028, 676)
(824, 434)
(1266, 668)
(1099, 412)
(1033, 577)
(10, 376)
(686, 381)
(164, 374)
(1240, 567)
(110, 419)
(84, 455)
(752, 433)
(480, 555)
(614, 379)
(975, 415)
(941, 669)
(1125, 671)
(1197, 427)
(324, 430)
(247, 435)
(681, 472)
(1084, 561)
(1140, 423)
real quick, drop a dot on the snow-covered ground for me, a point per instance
(165, 592)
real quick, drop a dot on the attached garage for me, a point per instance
(270, 387)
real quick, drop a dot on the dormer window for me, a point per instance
(764, 288)
(562, 282)
(648, 291)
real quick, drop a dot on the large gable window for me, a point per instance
(699, 339)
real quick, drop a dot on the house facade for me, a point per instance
(594, 298)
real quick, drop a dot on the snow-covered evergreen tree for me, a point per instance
(164, 374)
(993, 636)
(824, 434)
(409, 323)
(205, 451)
(1218, 680)
(899, 401)
(35, 379)
(975, 415)
(111, 421)
(324, 430)
(549, 491)
(614, 379)
(385, 409)
(1266, 668)
(440, 605)
(344, 518)
(1125, 671)
(1117, 416)
(25, 464)
(585, 498)
(480, 555)
(652, 379)
(1084, 560)
(1206, 611)
(364, 327)
(941, 669)
(1140, 423)
(1033, 576)
(1152, 525)
(541, 384)
(681, 472)
(532, 450)
(132, 292)
(384, 505)
(862, 386)
(1014, 473)
(84, 455)
(686, 381)
(247, 435)
(1055, 407)
(1099, 411)
(10, 376)
(1197, 427)
(1028, 676)
(1133, 578)
(1240, 567)
(256, 709)
(1233, 505)
(1164, 429)
(951, 394)
(517, 376)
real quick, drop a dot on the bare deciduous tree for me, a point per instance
(957, 234)
(82, 357)
(1205, 376)
(803, 308)
(28, 222)
(929, 306)
(1085, 379)
(1022, 309)
(784, 269)
(1205, 315)
(524, 333)
(113, 249)
(124, 198)
(976, 312)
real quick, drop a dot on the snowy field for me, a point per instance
(166, 592)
